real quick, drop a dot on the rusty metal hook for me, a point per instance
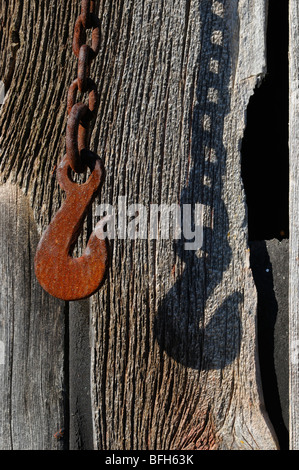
(57, 271)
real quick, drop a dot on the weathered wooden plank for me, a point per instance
(34, 37)
(32, 379)
(294, 226)
(175, 359)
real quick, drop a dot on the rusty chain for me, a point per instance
(57, 271)
(79, 114)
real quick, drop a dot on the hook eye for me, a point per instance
(64, 173)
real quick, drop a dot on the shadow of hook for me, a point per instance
(58, 273)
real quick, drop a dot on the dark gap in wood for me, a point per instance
(265, 174)
(265, 152)
(269, 261)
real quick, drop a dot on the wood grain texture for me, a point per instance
(81, 428)
(174, 357)
(35, 39)
(294, 228)
(32, 379)
(10, 17)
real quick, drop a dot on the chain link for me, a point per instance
(57, 271)
(79, 114)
